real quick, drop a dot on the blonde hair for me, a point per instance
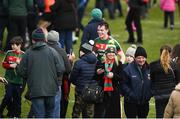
(165, 57)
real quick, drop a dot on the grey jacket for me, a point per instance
(62, 53)
(41, 66)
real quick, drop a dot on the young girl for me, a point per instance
(168, 6)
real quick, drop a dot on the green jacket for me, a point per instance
(42, 66)
(18, 7)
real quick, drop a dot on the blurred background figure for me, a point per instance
(17, 11)
(168, 7)
(3, 22)
(90, 30)
(65, 21)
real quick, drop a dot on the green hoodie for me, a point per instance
(18, 7)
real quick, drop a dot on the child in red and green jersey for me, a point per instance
(15, 81)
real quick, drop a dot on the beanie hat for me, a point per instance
(140, 51)
(38, 35)
(53, 36)
(111, 49)
(131, 50)
(96, 14)
(86, 48)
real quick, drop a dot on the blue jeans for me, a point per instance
(65, 38)
(43, 107)
(57, 104)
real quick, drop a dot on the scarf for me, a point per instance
(108, 81)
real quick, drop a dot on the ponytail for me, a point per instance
(165, 60)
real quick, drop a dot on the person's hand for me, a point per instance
(72, 57)
(18, 60)
(13, 65)
(110, 75)
(100, 71)
(3, 80)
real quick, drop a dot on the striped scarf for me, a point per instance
(108, 81)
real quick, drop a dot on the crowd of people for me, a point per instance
(47, 64)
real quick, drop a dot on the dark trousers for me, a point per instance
(13, 96)
(110, 6)
(133, 110)
(160, 107)
(118, 6)
(170, 16)
(81, 11)
(17, 26)
(110, 107)
(3, 25)
(134, 15)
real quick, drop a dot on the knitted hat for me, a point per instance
(140, 51)
(53, 36)
(38, 35)
(96, 14)
(131, 50)
(86, 48)
(111, 49)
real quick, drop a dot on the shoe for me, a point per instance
(172, 27)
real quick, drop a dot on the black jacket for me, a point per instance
(65, 15)
(162, 84)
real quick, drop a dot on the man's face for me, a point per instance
(102, 32)
(140, 60)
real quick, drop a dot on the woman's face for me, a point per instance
(110, 56)
(102, 32)
(140, 60)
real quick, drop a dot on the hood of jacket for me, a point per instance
(94, 21)
(90, 58)
(38, 45)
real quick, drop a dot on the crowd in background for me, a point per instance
(39, 53)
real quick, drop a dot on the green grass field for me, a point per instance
(154, 36)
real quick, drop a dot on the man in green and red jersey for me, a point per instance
(14, 86)
(104, 40)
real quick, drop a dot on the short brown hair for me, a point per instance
(17, 40)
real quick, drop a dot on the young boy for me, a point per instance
(14, 86)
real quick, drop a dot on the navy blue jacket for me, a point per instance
(90, 31)
(83, 71)
(137, 85)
